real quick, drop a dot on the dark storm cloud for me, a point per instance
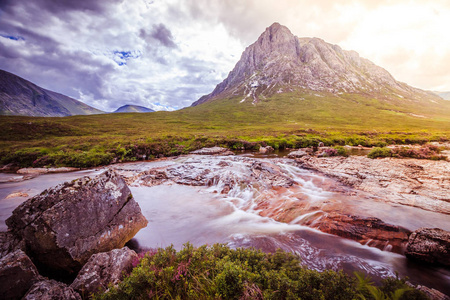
(61, 6)
(160, 33)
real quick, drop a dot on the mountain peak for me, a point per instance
(280, 62)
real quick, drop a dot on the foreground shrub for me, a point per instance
(218, 272)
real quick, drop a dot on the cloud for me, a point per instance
(166, 54)
(159, 33)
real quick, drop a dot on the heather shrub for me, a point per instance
(379, 152)
(218, 272)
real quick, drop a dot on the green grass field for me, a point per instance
(289, 120)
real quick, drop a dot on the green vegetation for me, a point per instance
(218, 272)
(379, 152)
(290, 120)
(422, 152)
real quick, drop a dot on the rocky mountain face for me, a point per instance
(133, 108)
(280, 62)
(21, 97)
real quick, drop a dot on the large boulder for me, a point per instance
(430, 245)
(17, 275)
(49, 290)
(63, 226)
(10, 243)
(103, 269)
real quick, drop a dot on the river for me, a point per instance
(202, 214)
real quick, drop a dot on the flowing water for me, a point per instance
(202, 215)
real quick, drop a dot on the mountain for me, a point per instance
(279, 62)
(21, 97)
(133, 108)
(443, 95)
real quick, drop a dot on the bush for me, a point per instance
(379, 152)
(218, 272)
(342, 151)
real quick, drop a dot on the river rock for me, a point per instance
(366, 230)
(213, 151)
(10, 243)
(265, 150)
(270, 174)
(297, 154)
(430, 245)
(51, 289)
(38, 171)
(17, 275)
(103, 269)
(432, 293)
(63, 226)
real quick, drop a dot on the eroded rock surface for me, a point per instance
(103, 269)
(413, 182)
(213, 151)
(366, 230)
(63, 226)
(17, 275)
(50, 290)
(430, 245)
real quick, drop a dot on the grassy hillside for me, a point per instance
(285, 120)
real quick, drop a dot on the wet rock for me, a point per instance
(17, 194)
(297, 154)
(189, 175)
(103, 269)
(11, 167)
(151, 177)
(366, 230)
(430, 245)
(213, 151)
(10, 243)
(432, 293)
(414, 182)
(51, 289)
(270, 174)
(38, 171)
(265, 150)
(17, 275)
(63, 226)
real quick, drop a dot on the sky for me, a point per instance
(165, 54)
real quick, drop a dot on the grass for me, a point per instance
(218, 272)
(288, 120)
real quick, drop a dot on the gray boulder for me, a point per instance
(51, 290)
(17, 275)
(63, 226)
(103, 269)
(430, 245)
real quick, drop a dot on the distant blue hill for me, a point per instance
(133, 108)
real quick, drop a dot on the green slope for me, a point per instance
(285, 120)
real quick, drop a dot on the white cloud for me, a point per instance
(166, 54)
